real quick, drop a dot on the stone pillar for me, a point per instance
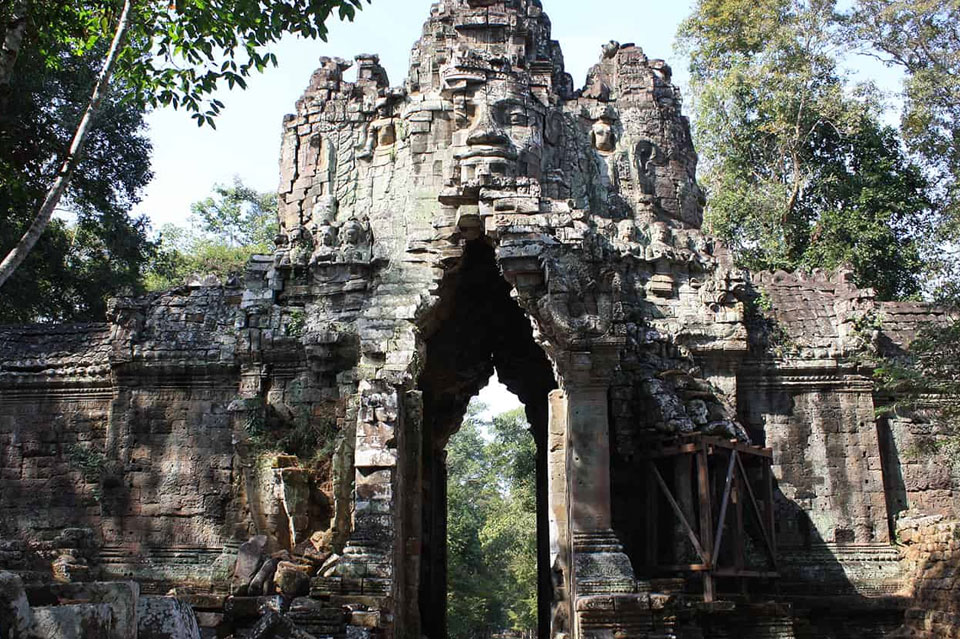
(410, 521)
(599, 563)
(366, 567)
(560, 545)
(538, 418)
(604, 589)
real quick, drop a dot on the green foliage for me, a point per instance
(871, 205)
(179, 56)
(224, 231)
(77, 264)
(921, 38)
(799, 172)
(925, 380)
(170, 53)
(309, 437)
(238, 215)
(491, 526)
(930, 367)
(179, 53)
(295, 323)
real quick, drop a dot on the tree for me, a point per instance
(491, 526)
(798, 171)
(922, 37)
(225, 229)
(238, 215)
(166, 54)
(78, 263)
(870, 204)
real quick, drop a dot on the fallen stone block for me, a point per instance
(166, 618)
(76, 621)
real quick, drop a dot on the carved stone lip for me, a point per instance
(503, 153)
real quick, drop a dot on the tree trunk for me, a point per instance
(16, 256)
(10, 47)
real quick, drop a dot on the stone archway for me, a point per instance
(477, 328)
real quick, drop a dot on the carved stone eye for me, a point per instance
(517, 118)
(513, 115)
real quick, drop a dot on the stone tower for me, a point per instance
(487, 215)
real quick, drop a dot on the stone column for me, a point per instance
(604, 588)
(366, 567)
(560, 544)
(410, 520)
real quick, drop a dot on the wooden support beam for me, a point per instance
(728, 484)
(679, 513)
(652, 515)
(770, 511)
(682, 567)
(694, 446)
(730, 572)
(759, 516)
(739, 535)
(706, 517)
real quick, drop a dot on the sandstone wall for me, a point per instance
(931, 550)
(826, 460)
(143, 447)
(921, 474)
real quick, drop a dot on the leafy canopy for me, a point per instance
(98, 249)
(798, 170)
(922, 38)
(225, 229)
(491, 526)
(179, 53)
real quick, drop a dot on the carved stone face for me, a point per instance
(328, 236)
(324, 209)
(660, 233)
(505, 136)
(352, 233)
(627, 231)
(603, 136)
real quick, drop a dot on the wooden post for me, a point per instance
(770, 510)
(706, 520)
(738, 532)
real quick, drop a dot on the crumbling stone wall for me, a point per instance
(931, 555)
(142, 447)
(922, 474)
(806, 390)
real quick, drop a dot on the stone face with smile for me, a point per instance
(504, 139)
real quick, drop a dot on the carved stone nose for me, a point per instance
(487, 132)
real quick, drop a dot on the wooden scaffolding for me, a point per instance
(719, 494)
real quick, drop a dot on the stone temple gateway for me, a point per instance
(485, 215)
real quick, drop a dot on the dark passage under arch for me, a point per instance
(477, 327)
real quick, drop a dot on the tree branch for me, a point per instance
(10, 47)
(19, 253)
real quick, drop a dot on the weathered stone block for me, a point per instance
(166, 618)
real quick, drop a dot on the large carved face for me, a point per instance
(505, 135)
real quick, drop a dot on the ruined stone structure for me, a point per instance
(483, 216)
